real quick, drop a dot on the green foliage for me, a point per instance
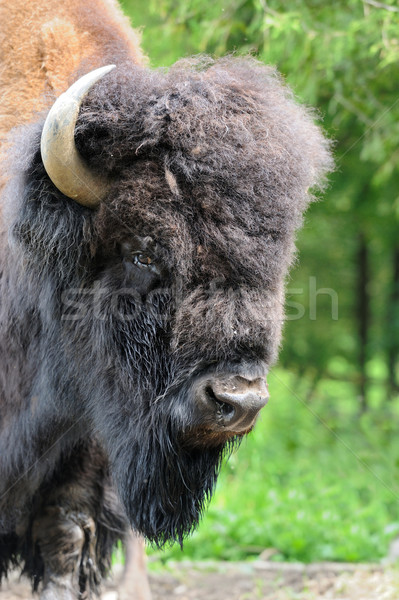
(312, 481)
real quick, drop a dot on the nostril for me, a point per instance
(229, 402)
(223, 409)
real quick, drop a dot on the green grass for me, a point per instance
(314, 481)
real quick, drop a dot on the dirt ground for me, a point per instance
(262, 580)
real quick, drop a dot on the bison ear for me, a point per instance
(62, 161)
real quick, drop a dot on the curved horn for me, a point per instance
(65, 167)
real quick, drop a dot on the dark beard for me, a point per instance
(165, 485)
(163, 468)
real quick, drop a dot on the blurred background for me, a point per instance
(317, 479)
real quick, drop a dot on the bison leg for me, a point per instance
(66, 547)
(134, 583)
(66, 544)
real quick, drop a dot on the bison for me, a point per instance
(147, 226)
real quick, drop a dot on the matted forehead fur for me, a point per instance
(213, 159)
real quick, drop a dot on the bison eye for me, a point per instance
(142, 260)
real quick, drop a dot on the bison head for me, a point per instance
(159, 310)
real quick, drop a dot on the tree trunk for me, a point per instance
(393, 325)
(363, 311)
